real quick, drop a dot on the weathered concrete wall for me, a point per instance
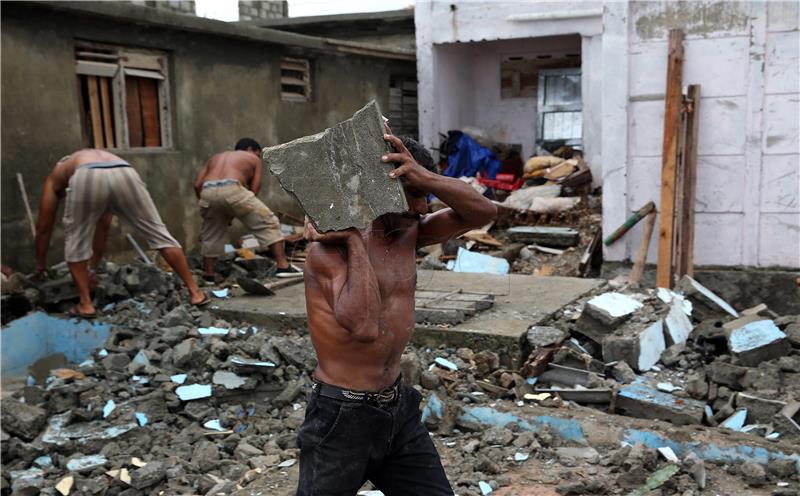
(746, 57)
(221, 89)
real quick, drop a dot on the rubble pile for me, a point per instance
(175, 401)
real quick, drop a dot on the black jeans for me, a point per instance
(345, 443)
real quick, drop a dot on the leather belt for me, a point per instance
(384, 398)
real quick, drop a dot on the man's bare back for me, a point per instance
(360, 285)
(65, 168)
(239, 165)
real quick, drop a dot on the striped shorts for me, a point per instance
(95, 189)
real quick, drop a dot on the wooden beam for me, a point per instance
(644, 246)
(94, 106)
(686, 262)
(672, 108)
(105, 100)
(134, 112)
(677, 220)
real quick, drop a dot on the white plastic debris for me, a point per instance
(110, 406)
(470, 261)
(445, 363)
(667, 387)
(214, 425)
(520, 457)
(178, 378)
(485, 488)
(287, 463)
(228, 379)
(193, 392)
(736, 421)
(141, 418)
(220, 293)
(213, 331)
(668, 454)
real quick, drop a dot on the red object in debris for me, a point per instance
(505, 182)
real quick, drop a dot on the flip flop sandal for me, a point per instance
(205, 301)
(74, 312)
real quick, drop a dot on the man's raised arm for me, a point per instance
(468, 209)
(353, 294)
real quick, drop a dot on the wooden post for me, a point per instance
(97, 118)
(672, 109)
(644, 246)
(685, 264)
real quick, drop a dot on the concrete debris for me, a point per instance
(559, 237)
(612, 309)
(756, 342)
(704, 299)
(197, 413)
(337, 175)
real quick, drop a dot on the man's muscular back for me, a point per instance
(59, 178)
(239, 165)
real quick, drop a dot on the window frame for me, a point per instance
(306, 81)
(128, 61)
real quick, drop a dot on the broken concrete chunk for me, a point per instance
(562, 237)
(736, 421)
(544, 336)
(20, 419)
(611, 309)
(64, 486)
(29, 481)
(759, 410)
(757, 341)
(678, 326)
(149, 475)
(227, 379)
(337, 175)
(86, 464)
(643, 401)
(117, 362)
(701, 294)
(639, 348)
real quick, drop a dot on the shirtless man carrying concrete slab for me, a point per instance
(362, 423)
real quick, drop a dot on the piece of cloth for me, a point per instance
(220, 204)
(115, 188)
(467, 158)
(344, 443)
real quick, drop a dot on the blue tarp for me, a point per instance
(467, 158)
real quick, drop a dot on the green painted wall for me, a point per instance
(221, 89)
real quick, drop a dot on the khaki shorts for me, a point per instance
(221, 204)
(119, 190)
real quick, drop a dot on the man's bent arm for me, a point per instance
(353, 293)
(198, 182)
(255, 183)
(48, 206)
(468, 210)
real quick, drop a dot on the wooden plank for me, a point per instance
(84, 129)
(134, 108)
(148, 95)
(94, 106)
(644, 246)
(690, 192)
(105, 100)
(680, 164)
(672, 107)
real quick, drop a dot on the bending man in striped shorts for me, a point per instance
(96, 183)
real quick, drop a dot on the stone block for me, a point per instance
(561, 237)
(643, 401)
(22, 420)
(677, 324)
(544, 336)
(757, 341)
(611, 309)
(726, 374)
(56, 291)
(759, 410)
(337, 175)
(639, 348)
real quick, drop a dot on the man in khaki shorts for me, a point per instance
(95, 184)
(226, 188)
